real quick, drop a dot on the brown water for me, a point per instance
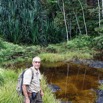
(77, 82)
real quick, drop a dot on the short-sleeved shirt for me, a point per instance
(33, 83)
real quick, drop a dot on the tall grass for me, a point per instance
(8, 92)
(48, 97)
(1, 79)
(51, 57)
(8, 89)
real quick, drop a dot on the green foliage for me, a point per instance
(7, 74)
(51, 57)
(7, 50)
(8, 92)
(16, 56)
(52, 49)
(42, 22)
(48, 97)
(98, 42)
(11, 54)
(99, 30)
(101, 87)
(28, 22)
(1, 44)
(80, 42)
(1, 79)
(10, 75)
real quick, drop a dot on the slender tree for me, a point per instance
(77, 21)
(102, 8)
(65, 19)
(70, 28)
(99, 13)
(83, 17)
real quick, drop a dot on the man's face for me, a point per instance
(37, 63)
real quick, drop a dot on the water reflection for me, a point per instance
(77, 82)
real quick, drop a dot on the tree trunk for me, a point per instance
(77, 21)
(83, 16)
(65, 20)
(102, 8)
(69, 28)
(99, 16)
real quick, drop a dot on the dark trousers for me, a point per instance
(38, 98)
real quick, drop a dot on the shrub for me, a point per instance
(80, 42)
(98, 42)
(1, 79)
(51, 49)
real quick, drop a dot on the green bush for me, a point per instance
(80, 42)
(11, 53)
(10, 75)
(48, 97)
(98, 42)
(1, 44)
(8, 93)
(1, 80)
(99, 30)
(51, 49)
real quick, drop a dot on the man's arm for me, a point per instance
(41, 91)
(24, 87)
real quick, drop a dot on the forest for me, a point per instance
(68, 37)
(49, 21)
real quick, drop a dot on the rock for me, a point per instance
(53, 87)
(100, 96)
(90, 63)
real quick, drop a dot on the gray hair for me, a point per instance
(36, 59)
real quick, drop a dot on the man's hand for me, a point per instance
(42, 93)
(27, 100)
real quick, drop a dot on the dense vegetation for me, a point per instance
(16, 56)
(44, 26)
(49, 21)
(8, 94)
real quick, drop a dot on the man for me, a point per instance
(31, 86)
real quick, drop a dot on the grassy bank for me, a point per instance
(17, 56)
(8, 94)
(20, 56)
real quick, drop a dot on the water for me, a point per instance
(77, 82)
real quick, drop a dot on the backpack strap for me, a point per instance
(32, 73)
(24, 72)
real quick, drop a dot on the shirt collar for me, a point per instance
(36, 71)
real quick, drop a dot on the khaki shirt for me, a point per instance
(33, 84)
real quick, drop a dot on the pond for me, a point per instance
(77, 82)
